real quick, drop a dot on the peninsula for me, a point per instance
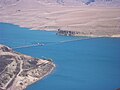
(17, 71)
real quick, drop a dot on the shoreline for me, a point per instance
(90, 21)
(36, 79)
(49, 73)
(22, 70)
(57, 32)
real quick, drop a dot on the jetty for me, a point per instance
(53, 43)
(27, 46)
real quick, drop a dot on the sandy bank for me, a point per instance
(100, 20)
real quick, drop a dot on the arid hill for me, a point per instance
(17, 71)
(87, 17)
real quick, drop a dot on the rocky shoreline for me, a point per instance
(88, 33)
(17, 71)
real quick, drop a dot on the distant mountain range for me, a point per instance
(116, 3)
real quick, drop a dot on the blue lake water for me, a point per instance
(92, 64)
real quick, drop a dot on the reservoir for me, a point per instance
(82, 64)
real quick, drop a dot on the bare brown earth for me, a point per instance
(89, 20)
(17, 71)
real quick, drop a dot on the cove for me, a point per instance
(91, 64)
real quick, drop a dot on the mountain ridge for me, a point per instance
(4, 3)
